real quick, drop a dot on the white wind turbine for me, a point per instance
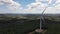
(50, 3)
(41, 18)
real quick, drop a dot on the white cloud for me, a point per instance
(36, 7)
(58, 6)
(43, 1)
(53, 10)
(58, 1)
(10, 4)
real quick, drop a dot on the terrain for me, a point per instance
(23, 24)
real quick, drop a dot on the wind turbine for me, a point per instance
(41, 18)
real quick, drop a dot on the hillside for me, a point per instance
(18, 25)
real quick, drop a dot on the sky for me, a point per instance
(29, 6)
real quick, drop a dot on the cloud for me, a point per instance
(36, 7)
(58, 6)
(39, 6)
(44, 1)
(53, 10)
(10, 4)
(58, 1)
